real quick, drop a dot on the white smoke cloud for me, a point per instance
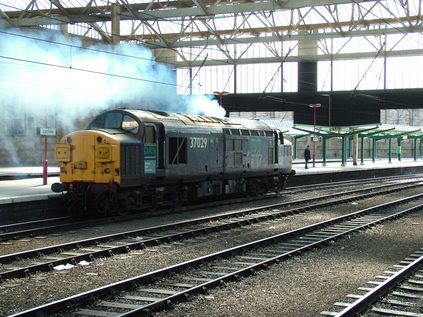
(46, 74)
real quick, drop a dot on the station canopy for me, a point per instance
(376, 131)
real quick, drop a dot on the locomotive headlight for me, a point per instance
(103, 153)
(62, 152)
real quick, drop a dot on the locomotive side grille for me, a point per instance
(130, 160)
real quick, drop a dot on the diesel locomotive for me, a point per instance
(131, 159)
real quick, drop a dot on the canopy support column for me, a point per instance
(399, 148)
(373, 150)
(324, 151)
(390, 150)
(415, 149)
(344, 150)
(295, 147)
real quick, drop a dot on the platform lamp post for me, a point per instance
(314, 106)
(46, 132)
(220, 94)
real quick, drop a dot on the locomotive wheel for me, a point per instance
(102, 204)
(107, 204)
(74, 203)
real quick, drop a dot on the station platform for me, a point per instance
(24, 184)
(20, 172)
(336, 166)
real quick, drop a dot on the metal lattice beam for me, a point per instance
(173, 9)
(234, 28)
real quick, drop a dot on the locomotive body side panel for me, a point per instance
(285, 157)
(249, 155)
(193, 153)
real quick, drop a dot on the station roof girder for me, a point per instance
(154, 10)
(179, 24)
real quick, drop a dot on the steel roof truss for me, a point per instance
(3, 16)
(100, 31)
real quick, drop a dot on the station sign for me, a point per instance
(47, 131)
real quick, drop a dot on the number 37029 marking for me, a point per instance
(197, 142)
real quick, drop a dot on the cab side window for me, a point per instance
(178, 151)
(129, 124)
(149, 135)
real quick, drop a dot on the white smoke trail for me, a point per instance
(48, 74)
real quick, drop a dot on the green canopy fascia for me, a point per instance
(396, 135)
(369, 135)
(417, 136)
(331, 132)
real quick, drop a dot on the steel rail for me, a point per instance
(325, 231)
(70, 223)
(108, 250)
(351, 182)
(8, 227)
(71, 245)
(371, 297)
(17, 230)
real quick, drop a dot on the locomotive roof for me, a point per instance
(197, 120)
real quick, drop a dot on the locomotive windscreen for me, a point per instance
(115, 120)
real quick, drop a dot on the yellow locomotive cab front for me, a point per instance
(88, 156)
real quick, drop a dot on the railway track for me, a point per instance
(25, 263)
(397, 293)
(303, 188)
(162, 288)
(42, 226)
(52, 225)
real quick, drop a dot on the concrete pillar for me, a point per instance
(355, 149)
(362, 151)
(115, 24)
(64, 29)
(164, 55)
(307, 76)
(307, 69)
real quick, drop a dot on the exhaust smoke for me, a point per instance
(50, 80)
